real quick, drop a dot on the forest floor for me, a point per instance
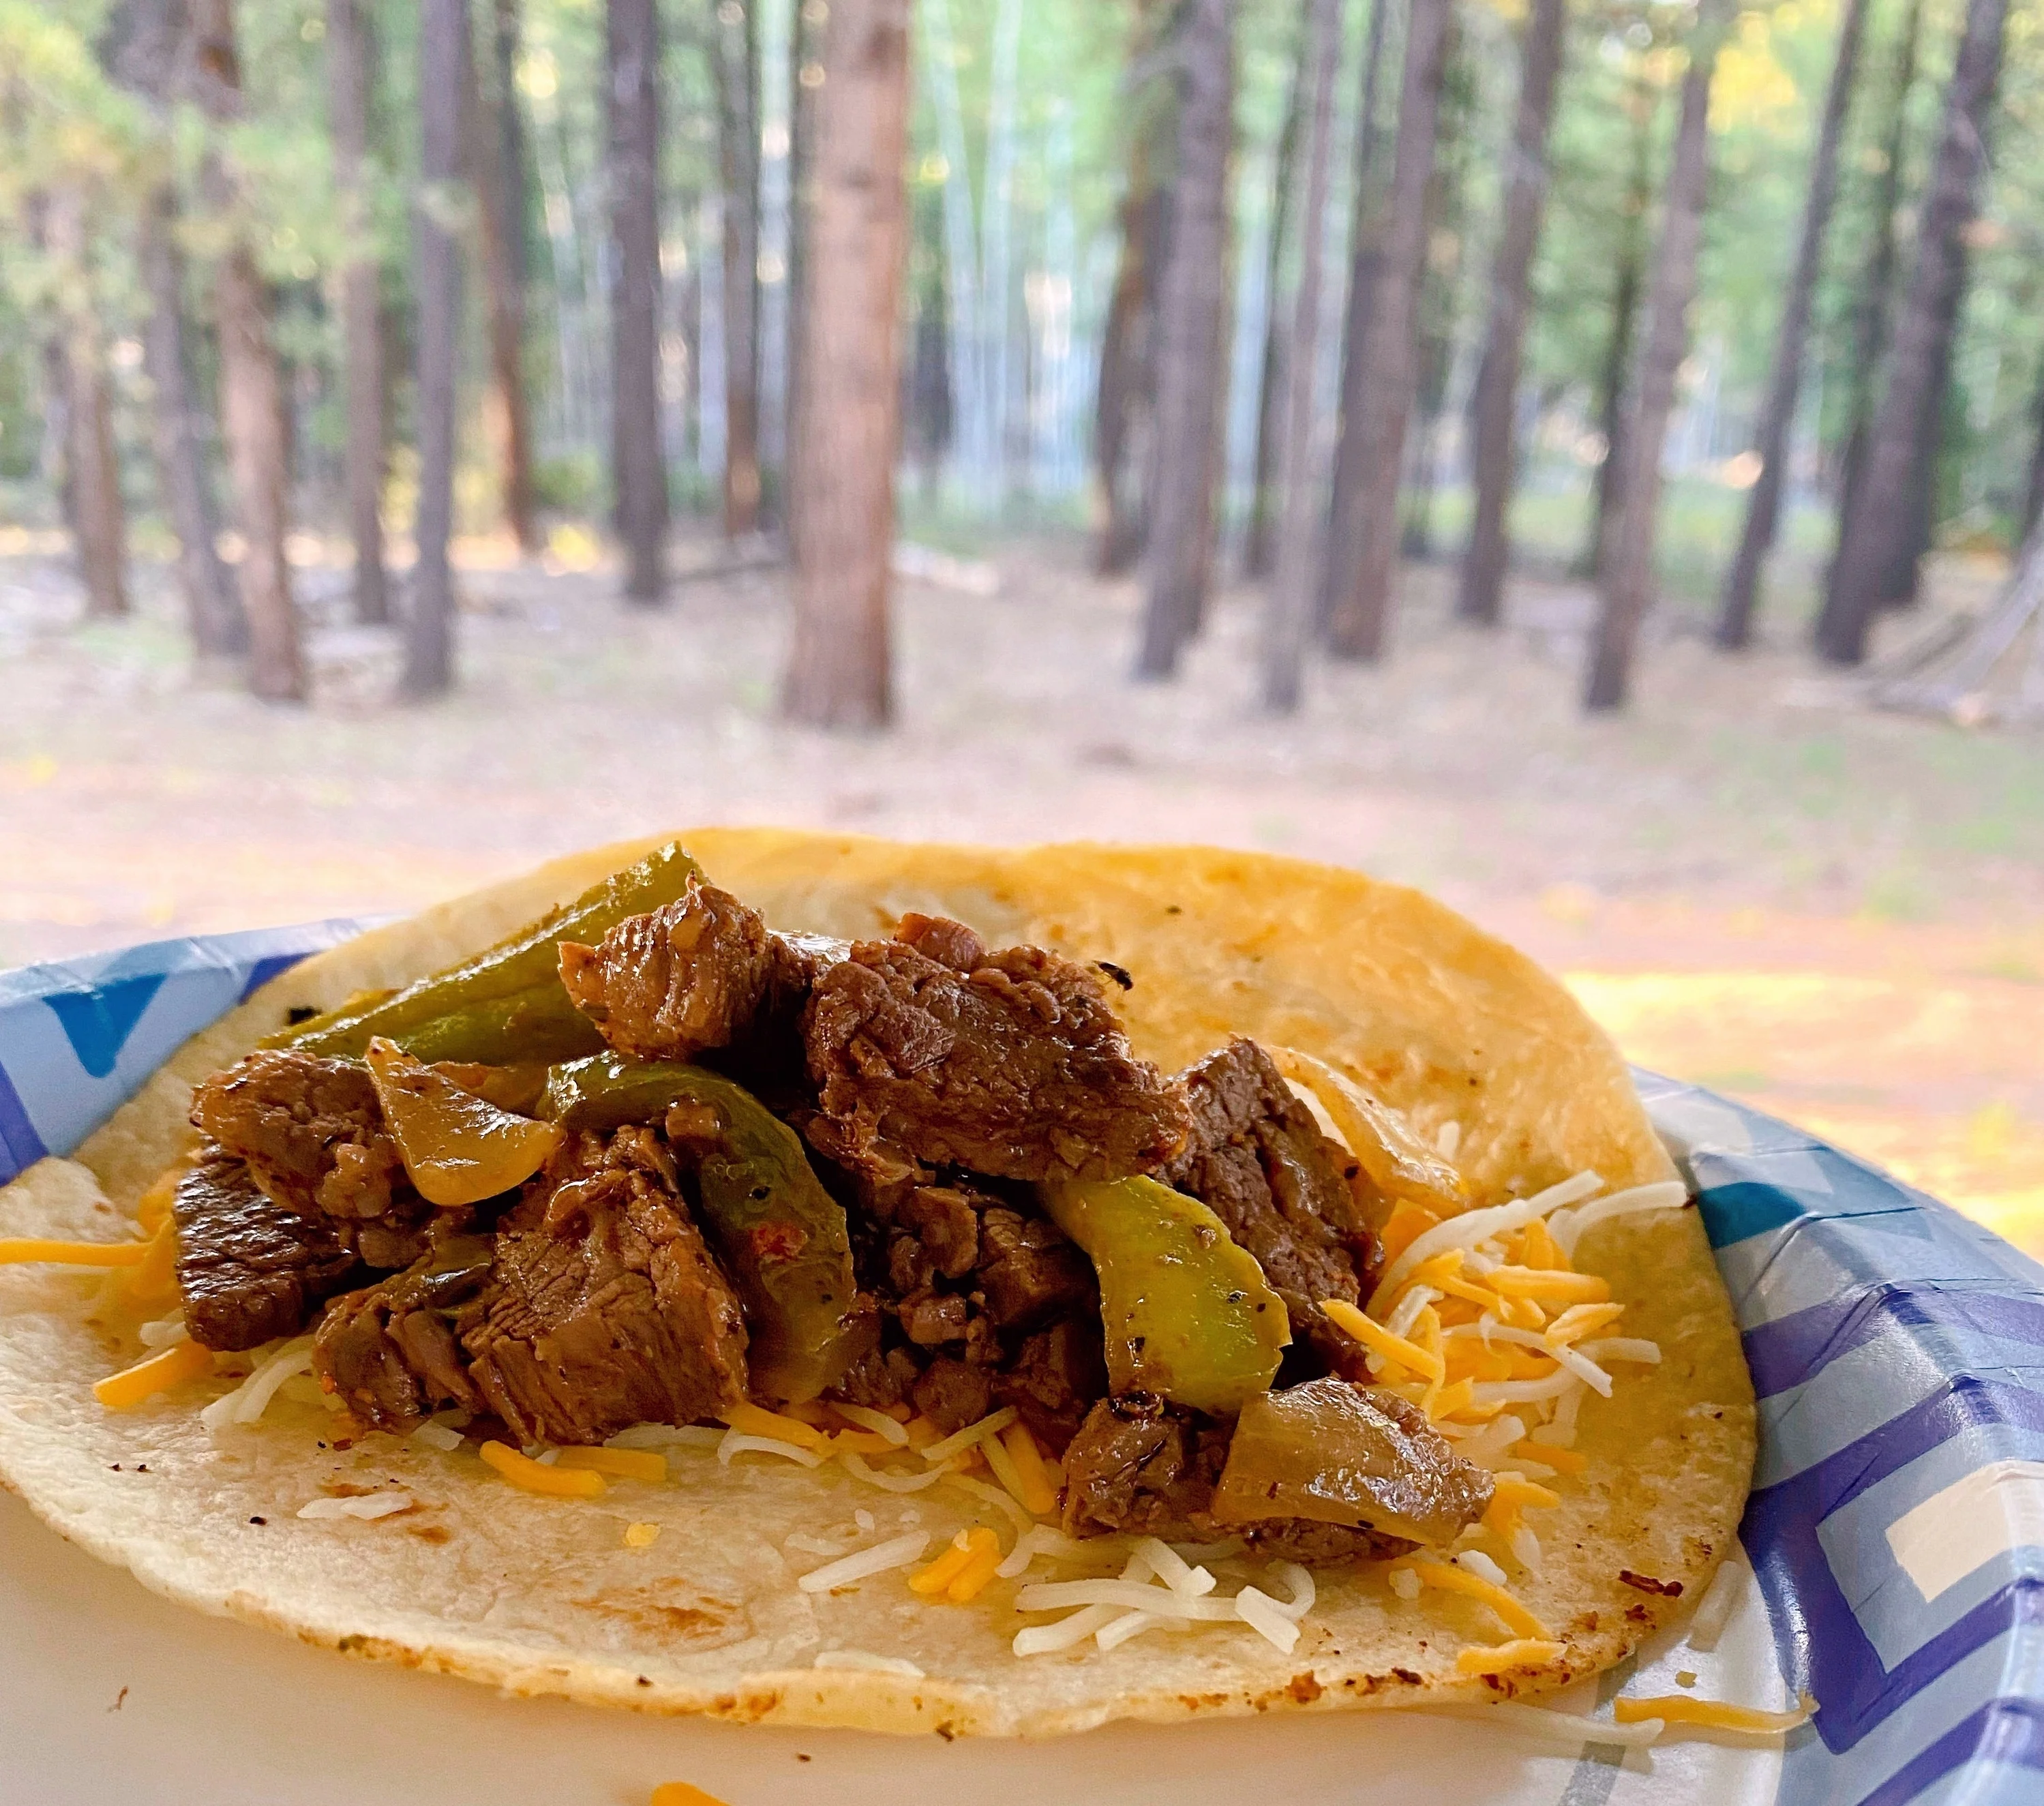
(1835, 914)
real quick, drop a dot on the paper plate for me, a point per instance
(1895, 1532)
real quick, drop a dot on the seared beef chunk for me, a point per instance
(1030, 1272)
(604, 1306)
(388, 1352)
(952, 1394)
(701, 973)
(1138, 1464)
(252, 1269)
(312, 1132)
(928, 1050)
(1056, 1377)
(945, 1225)
(1258, 1161)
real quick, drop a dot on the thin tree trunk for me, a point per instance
(213, 612)
(496, 156)
(1290, 604)
(838, 669)
(1777, 413)
(1191, 371)
(1628, 560)
(1440, 283)
(251, 397)
(1366, 267)
(347, 65)
(1359, 623)
(996, 216)
(1258, 552)
(1494, 415)
(1617, 364)
(1876, 287)
(2033, 487)
(972, 457)
(632, 44)
(738, 156)
(443, 46)
(1876, 548)
(805, 48)
(99, 520)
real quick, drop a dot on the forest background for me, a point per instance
(522, 355)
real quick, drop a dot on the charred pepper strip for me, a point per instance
(506, 1004)
(1187, 1312)
(782, 1237)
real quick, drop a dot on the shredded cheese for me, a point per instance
(897, 1552)
(1495, 1658)
(878, 1422)
(17, 1249)
(773, 1426)
(1718, 1714)
(1380, 1341)
(182, 1361)
(626, 1464)
(1550, 1282)
(1450, 1579)
(532, 1476)
(982, 1558)
(641, 1535)
(681, 1793)
(990, 1425)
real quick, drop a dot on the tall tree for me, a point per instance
(1628, 560)
(631, 50)
(1127, 389)
(92, 471)
(1291, 602)
(737, 66)
(1440, 288)
(443, 47)
(1874, 292)
(1257, 551)
(1777, 413)
(1643, 103)
(496, 156)
(838, 669)
(347, 66)
(1358, 624)
(1365, 265)
(805, 57)
(1494, 409)
(1191, 371)
(251, 393)
(1878, 537)
(212, 611)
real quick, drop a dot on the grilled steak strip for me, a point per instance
(927, 1050)
(251, 1268)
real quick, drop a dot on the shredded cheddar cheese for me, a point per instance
(1495, 1658)
(1718, 1714)
(754, 1420)
(627, 1464)
(1379, 1340)
(982, 1557)
(1022, 1471)
(1451, 1579)
(21, 1249)
(681, 1793)
(1562, 1461)
(1534, 1282)
(532, 1476)
(182, 1361)
(1404, 1226)
(944, 1569)
(641, 1535)
(157, 1273)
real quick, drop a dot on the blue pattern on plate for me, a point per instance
(1897, 1349)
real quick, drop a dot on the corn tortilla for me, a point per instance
(540, 1596)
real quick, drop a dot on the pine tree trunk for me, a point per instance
(347, 66)
(1358, 625)
(1257, 551)
(1875, 292)
(213, 612)
(632, 44)
(496, 156)
(2033, 487)
(1495, 411)
(251, 393)
(1289, 606)
(738, 161)
(1777, 413)
(805, 57)
(996, 216)
(1628, 561)
(1192, 370)
(838, 670)
(99, 520)
(443, 47)
(1440, 284)
(1617, 365)
(1366, 268)
(1875, 561)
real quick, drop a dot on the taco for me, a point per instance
(814, 1280)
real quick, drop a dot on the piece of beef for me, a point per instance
(1057, 1376)
(927, 1050)
(604, 1306)
(251, 1268)
(388, 1352)
(951, 1393)
(312, 1132)
(931, 1319)
(944, 1222)
(876, 1380)
(701, 973)
(1258, 1160)
(1030, 1272)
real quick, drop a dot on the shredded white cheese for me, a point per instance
(897, 1552)
(369, 1505)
